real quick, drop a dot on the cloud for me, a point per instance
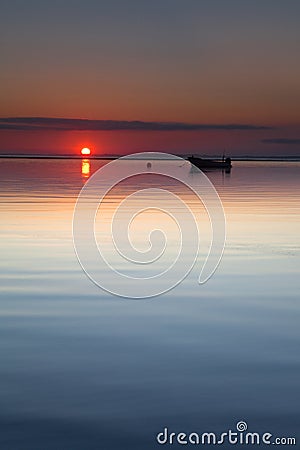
(281, 141)
(65, 124)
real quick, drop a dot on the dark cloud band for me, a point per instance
(281, 141)
(65, 124)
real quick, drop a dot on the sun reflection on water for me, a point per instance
(85, 168)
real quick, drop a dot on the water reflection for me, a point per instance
(76, 361)
(85, 168)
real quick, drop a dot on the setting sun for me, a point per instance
(85, 151)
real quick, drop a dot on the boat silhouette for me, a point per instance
(202, 163)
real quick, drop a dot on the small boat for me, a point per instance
(201, 163)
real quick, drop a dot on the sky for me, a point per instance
(180, 76)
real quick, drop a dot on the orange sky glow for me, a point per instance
(197, 64)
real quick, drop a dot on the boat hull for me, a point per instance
(210, 163)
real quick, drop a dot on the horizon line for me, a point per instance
(112, 156)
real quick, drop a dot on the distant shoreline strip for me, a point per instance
(111, 158)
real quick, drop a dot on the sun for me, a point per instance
(85, 151)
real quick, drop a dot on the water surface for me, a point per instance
(82, 369)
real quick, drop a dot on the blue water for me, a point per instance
(82, 369)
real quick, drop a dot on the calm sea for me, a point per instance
(81, 369)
